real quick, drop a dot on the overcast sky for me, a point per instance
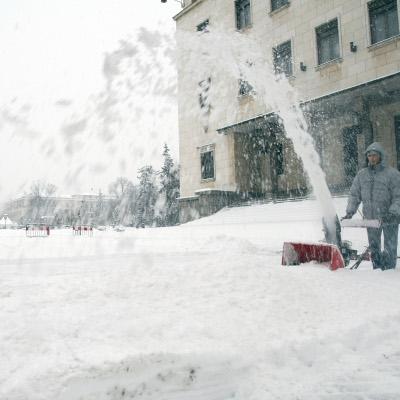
(52, 66)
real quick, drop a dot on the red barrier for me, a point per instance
(298, 253)
(82, 230)
(38, 230)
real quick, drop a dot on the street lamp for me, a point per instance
(181, 2)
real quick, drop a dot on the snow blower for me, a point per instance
(335, 252)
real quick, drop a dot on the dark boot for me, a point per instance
(387, 261)
(377, 262)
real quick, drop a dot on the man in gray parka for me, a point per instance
(378, 187)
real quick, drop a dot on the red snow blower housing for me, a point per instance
(335, 252)
(298, 253)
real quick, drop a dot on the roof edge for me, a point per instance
(186, 10)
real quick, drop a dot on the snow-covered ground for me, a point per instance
(202, 311)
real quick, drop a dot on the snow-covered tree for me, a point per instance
(146, 197)
(100, 210)
(169, 191)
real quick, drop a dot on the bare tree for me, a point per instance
(119, 187)
(41, 203)
(124, 192)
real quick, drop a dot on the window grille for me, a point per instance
(276, 4)
(283, 58)
(243, 19)
(207, 163)
(397, 136)
(328, 42)
(383, 19)
(280, 165)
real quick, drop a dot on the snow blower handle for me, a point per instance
(347, 216)
(361, 223)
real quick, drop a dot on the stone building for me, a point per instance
(342, 57)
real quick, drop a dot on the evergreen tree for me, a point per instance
(169, 191)
(147, 197)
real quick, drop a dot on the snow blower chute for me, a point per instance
(335, 252)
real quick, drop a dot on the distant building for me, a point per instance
(58, 210)
(343, 56)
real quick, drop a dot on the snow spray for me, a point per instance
(234, 55)
(142, 72)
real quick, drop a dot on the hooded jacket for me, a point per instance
(377, 187)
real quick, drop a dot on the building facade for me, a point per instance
(343, 59)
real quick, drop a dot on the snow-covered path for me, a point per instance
(200, 311)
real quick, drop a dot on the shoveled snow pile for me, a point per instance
(202, 311)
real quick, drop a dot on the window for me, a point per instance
(243, 19)
(275, 4)
(207, 162)
(397, 136)
(328, 42)
(203, 27)
(279, 160)
(283, 58)
(383, 19)
(245, 89)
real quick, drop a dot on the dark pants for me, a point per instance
(386, 259)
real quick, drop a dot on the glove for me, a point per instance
(390, 218)
(347, 216)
